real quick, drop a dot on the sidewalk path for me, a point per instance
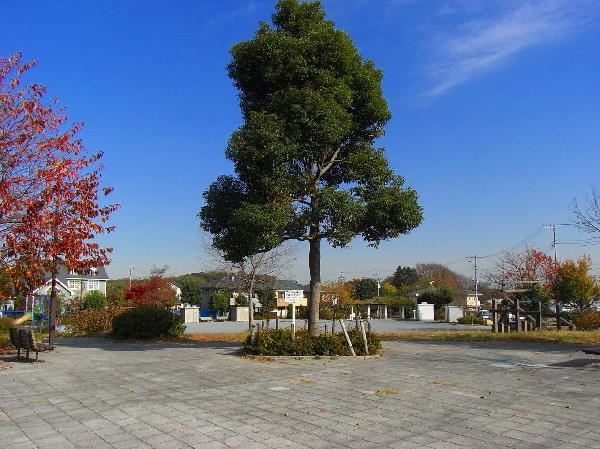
(93, 393)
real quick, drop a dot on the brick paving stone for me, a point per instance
(93, 393)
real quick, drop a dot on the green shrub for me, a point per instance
(94, 300)
(279, 342)
(6, 324)
(472, 320)
(587, 320)
(327, 314)
(147, 322)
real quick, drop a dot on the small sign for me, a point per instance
(294, 296)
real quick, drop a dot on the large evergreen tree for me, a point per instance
(306, 167)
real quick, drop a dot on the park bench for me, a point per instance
(14, 340)
(22, 338)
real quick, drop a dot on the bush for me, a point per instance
(147, 322)
(94, 300)
(6, 324)
(92, 321)
(587, 320)
(472, 320)
(279, 342)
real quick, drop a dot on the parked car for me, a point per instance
(486, 314)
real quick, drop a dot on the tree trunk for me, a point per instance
(250, 306)
(314, 266)
(53, 300)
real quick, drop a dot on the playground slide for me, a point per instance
(25, 317)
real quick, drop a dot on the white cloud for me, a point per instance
(483, 41)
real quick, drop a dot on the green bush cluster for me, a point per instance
(587, 320)
(94, 300)
(147, 322)
(472, 320)
(279, 342)
(6, 324)
(92, 321)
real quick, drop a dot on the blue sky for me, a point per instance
(496, 117)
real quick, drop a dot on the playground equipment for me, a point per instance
(509, 313)
(26, 316)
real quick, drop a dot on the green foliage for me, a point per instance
(94, 300)
(468, 319)
(365, 288)
(190, 289)
(440, 314)
(279, 342)
(587, 320)
(147, 322)
(266, 297)
(341, 311)
(438, 297)
(306, 165)
(241, 300)
(219, 302)
(115, 292)
(404, 277)
(573, 284)
(92, 321)
(6, 323)
(301, 312)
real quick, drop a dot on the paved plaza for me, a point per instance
(93, 393)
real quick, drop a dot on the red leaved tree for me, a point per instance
(155, 290)
(528, 265)
(49, 190)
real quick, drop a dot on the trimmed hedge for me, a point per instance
(271, 342)
(146, 322)
(472, 320)
(92, 321)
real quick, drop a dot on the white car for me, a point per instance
(486, 314)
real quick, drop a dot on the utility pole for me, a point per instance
(553, 227)
(378, 284)
(554, 242)
(476, 282)
(131, 268)
(476, 285)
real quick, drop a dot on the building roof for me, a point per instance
(286, 284)
(233, 283)
(98, 273)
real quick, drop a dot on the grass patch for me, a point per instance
(386, 391)
(223, 337)
(591, 338)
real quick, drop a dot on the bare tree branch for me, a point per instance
(587, 216)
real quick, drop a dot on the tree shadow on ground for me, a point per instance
(108, 344)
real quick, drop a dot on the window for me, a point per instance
(73, 284)
(93, 285)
